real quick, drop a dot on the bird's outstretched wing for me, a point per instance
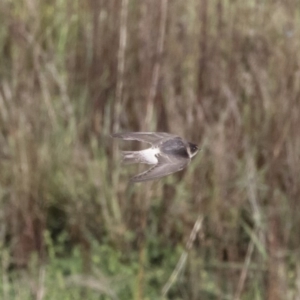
(147, 137)
(165, 166)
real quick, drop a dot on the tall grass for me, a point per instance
(224, 74)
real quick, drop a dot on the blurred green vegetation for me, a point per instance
(224, 74)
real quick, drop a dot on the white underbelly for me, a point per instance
(149, 155)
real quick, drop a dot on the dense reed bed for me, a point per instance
(224, 74)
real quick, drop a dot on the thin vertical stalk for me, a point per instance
(244, 272)
(121, 65)
(119, 92)
(157, 64)
(183, 257)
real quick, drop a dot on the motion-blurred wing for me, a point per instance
(147, 137)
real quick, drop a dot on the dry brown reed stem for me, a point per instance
(141, 272)
(40, 59)
(41, 289)
(244, 272)
(144, 196)
(253, 197)
(61, 84)
(42, 78)
(297, 282)
(121, 64)
(3, 107)
(119, 94)
(183, 257)
(157, 63)
(203, 49)
(147, 124)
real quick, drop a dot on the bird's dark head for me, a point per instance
(193, 149)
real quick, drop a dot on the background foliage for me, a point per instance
(224, 74)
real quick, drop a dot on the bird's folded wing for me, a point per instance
(163, 168)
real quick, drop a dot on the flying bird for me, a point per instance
(168, 154)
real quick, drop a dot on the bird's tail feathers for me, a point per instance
(131, 157)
